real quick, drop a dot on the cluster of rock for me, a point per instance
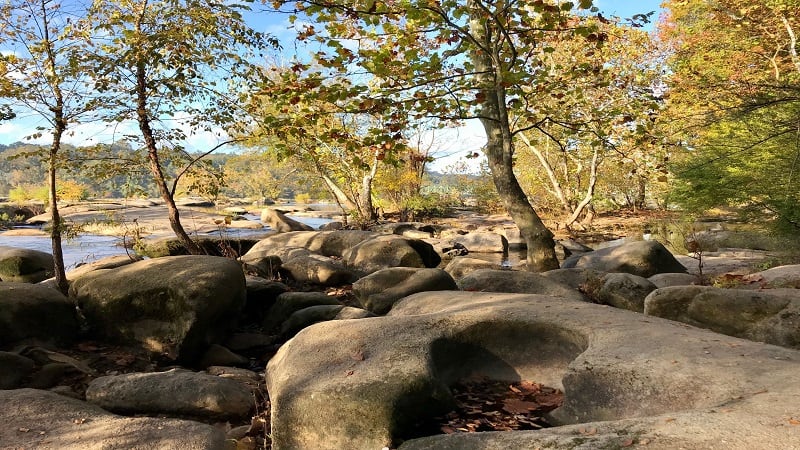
(419, 320)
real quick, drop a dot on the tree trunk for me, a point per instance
(155, 163)
(55, 218)
(551, 174)
(589, 191)
(60, 122)
(366, 208)
(500, 146)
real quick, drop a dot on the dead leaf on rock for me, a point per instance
(516, 406)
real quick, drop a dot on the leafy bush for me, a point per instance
(303, 198)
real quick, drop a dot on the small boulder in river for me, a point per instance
(176, 306)
(279, 222)
(24, 265)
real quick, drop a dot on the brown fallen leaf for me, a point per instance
(516, 406)
(529, 387)
(794, 421)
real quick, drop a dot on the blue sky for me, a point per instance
(627, 8)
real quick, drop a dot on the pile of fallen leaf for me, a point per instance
(488, 405)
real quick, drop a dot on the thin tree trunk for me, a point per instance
(55, 218)
(367, 211)
(589, 191)
(551, 174)
(500, 147)
(155, 163)
(60, 122)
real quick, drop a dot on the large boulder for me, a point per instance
(318, 269)
(670, 387)
(777, 277)
(514, 281)
(175, 392)
(385, 251)
(30, 312)
(24, 266)
(770, 315)
(40, 419)
(378, 291)
(279, 222)
(326, 243)
(176, 306)
(643, 258)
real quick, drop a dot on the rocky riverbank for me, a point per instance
(356, 339)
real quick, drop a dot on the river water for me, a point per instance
(87, 247)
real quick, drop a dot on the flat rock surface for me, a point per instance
(172, 392)
(627, 378)
(44, 420)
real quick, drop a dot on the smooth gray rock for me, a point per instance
(30, 312)
(575, 278)
(13, 369)
(513, 281)
(643, 258)
(318, 269)
(175, 306)
(279, 222)
(40, 419)
(770, 315)
(777, 277)
(385, 251)
(320, 313)
(23, 265)
(631, 377)
(326, 243)
(624, 290)
(461, 266)
(661, 280)
(176, 391)
(217, 355)
(378, 291)
(290, 302)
